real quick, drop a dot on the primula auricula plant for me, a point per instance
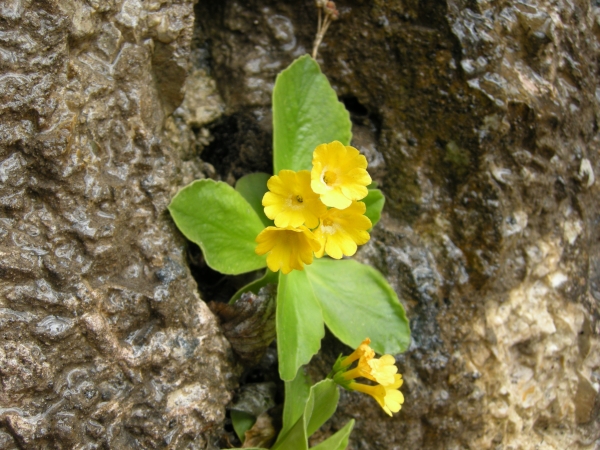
(297, 225)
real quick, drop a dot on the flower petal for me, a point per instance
(291, 202)
(335, 199)
(341, 170)
(288, 248)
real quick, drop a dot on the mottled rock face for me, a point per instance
(480, 122)
(104, 342)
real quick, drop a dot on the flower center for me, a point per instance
(299, 199)
(328, 227)
(329, 178)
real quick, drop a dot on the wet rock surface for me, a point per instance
(104, 342)
(479, 120)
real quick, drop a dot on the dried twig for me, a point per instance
(331, 13)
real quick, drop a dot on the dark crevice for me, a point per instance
(240, 146)
(354, 107)
(213, 285)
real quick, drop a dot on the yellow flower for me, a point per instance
(291, 202)
(389, 397)
(288, 248)
(382, 370)
(342, 230)
(339, 174)
(362, 352)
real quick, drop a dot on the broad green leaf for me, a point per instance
(299, 323)
(296, 395)
(268, 278)
(357, 302)
(242, 422)
(217, 218)
(337, 441)
(294, 439)
(374, 201)
(306, 113)
(323, 398)
(253, 187)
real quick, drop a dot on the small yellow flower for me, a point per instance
(389, 397)
(291, 202)
(364, 351)
(382, 370)
(342, 230)
(339, 174)
(288, 248)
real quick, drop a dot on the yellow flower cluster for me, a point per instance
(316, 212)
(382, 371)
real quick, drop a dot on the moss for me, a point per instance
(458, 158)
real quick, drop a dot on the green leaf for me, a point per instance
(268, 278)
(306, 113)
(321, 404)
(242, 422)
(357, 302)
(250, 448)
(324, 398)
(218, 219)
(253, 187)
(374, 201)
(337, 441)
(296, 395)
(295, 438)
(299, 323)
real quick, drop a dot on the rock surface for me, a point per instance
(104, 342)
(480, 122)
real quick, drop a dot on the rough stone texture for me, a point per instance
(480, 120)
(104, 342)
